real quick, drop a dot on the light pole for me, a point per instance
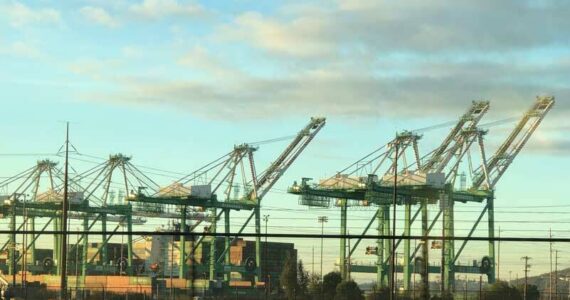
(322, 220)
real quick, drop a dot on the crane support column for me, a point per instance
(84, 258)
(213, 256)
(491, 228)
(33, 241)
(130, 244)
(182, 259)
(387, 242)
(380, 269)
(227, 241)
(342, 253)
(257, 243)
(449, 245)
(424, 268)
(407, 233)
(104, 257)
(12, 243)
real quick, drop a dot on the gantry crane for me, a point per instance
(216, 187)
(31, 202)
(352, 184)
(30, 189)
(97, 202)
(432, 181)
(486, 176)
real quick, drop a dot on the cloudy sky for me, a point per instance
(185, 80)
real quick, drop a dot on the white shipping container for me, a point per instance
(75, 197)
(436, 179)
(204, 190)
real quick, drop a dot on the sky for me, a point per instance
(177, 83)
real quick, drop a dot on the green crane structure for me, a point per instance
(426, 180)
(216, 187)
(93, 204)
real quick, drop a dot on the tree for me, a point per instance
(330, 282)
(532, 291)
(501, 290)
(348, 290)
(288, 277)
(302, 281)
(315, 286)
(379, 293)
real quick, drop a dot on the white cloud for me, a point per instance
(99, 15)
(303, 36)
(155, 9)
(94, 68)
(364, 60)
(21, 49)
(413, 26)
(21, 15)
(131, 52)
(201, 60)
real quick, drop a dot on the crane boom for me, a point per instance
(506, 153)
(468, 121)
(282, 163)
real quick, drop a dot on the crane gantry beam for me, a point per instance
(229, 171)
(489, 173)
(513, 144)
(468, 121)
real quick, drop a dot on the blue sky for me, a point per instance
(177, 83)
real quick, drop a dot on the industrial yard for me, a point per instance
(284, 150)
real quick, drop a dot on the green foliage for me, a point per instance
(501, 290)
(348, 290)
(288, 277)
(378, 293)
(532, 291)
(444, 296)
(315, 286)
(330, 282)
(302, 281)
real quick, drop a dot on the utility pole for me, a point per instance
(265, 258)
(313, 260)
(550, 274)
(526, 269)
(63, 281)
(24, 252)
(392, 256)
(556, 275)
(480, 287)
(322, 220)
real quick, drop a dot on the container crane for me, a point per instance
(468, 121)
(486, 177)
(225, 175)
(422, 186)
(488, 174)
